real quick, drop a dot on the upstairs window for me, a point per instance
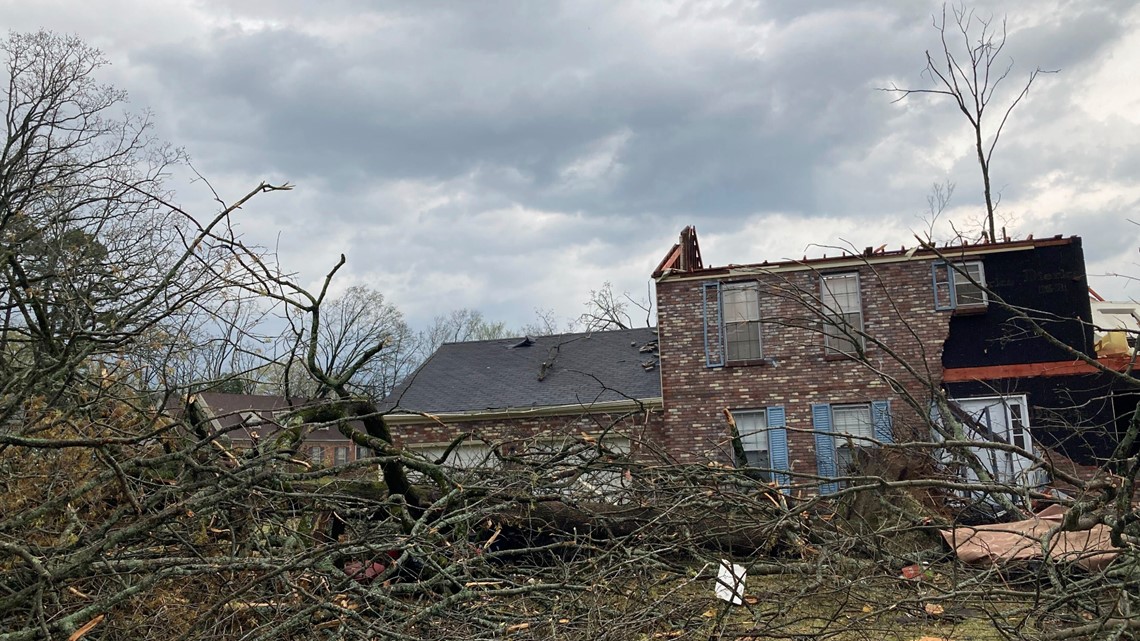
(843, 310)
(959, 286)
(741, 306)
(731, 314)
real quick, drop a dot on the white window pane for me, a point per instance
(741, 317)
(752, 428)
(854, 420)
(841, 293)
(741, 303)
(465, 456)
(844, 310)
(967, 292)
(743, 341)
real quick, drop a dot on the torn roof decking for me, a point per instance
(583, 370)
(673, 266)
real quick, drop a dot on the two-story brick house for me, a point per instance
(819, 360)
(818, 357)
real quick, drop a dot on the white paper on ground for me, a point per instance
(730, 580)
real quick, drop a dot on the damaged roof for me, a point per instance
(683, 260)
(230, 410)
(579, 369)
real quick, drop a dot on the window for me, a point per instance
(1004, 420)
(464, 456)
(317, 455)
(581, 467)
(731, 313)
(839, 294)
(965, 290)
(753, 429)
(340, 455)
(841, 429)
(764, 435)
(852, 421)
(961, 285)
(741, 303)
(362, 452)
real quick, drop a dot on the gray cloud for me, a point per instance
(525, 151)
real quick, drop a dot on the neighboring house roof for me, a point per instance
(581, 370)
(238, 414)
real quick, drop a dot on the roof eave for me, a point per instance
(624, 405)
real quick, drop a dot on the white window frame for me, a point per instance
(752, 426)
(845, 439)
(746, 324)
(952, 282)
(835, 340)
(962, 281)
(467, 455)
(1005, 467)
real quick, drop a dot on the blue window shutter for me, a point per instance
(824, 446)
(942, 279)
(778, 447)
(714, 325)
(881, 419)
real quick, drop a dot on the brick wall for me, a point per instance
(898, 312)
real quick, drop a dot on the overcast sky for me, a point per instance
(508, 156)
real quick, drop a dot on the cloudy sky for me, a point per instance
(512, 155)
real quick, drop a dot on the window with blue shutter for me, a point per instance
(752, 427)
(778, 447)
(824, 446)
(714, 325)
(764, 437)
(842, 429)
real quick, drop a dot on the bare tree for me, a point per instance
(609, 310)
(458, 326)
(351, 325)
(968, 70)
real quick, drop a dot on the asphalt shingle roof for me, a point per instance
(548, 371)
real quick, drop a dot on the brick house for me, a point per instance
(521, 394)
(820, 361)
(820, 358)
(249, 419)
